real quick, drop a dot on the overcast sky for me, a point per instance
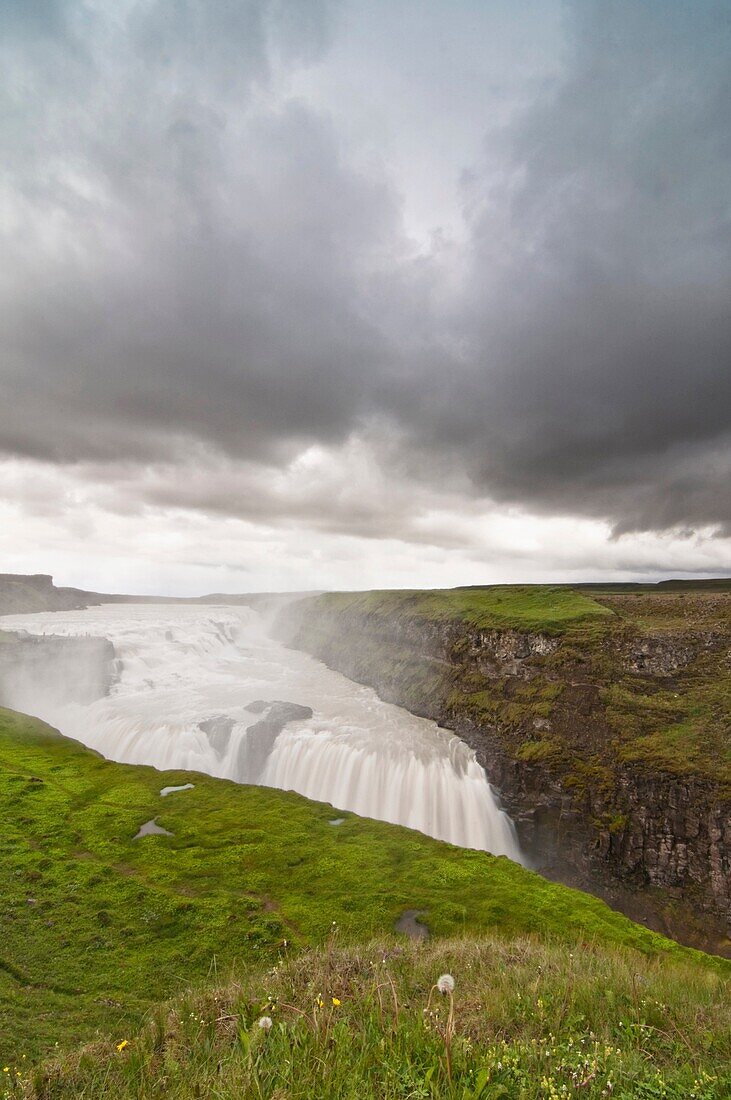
(357, 293)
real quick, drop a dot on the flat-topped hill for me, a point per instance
(28, 593)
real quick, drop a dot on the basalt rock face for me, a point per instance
(542, 717)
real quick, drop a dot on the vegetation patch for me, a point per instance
(544, 608)
(467, 1019)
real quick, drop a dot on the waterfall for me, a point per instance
(207, 689)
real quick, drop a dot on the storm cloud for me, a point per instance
(212, 297)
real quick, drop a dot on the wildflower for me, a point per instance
(445, 983)
(336, 1002)
(265, 1023)
(122, 1045)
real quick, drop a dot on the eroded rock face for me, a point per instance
(507, 652)
(21, 593)
(665, 656)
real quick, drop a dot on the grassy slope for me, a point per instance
(98, 926)
(530, 1019)
(550, 609)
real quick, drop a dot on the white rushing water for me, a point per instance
(185, 678)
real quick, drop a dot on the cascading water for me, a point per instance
(186, 679)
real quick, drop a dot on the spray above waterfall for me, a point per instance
(208, 689)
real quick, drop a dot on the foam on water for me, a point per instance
(184, 679)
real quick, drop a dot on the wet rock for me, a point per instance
(258, 706)
(508, 652)
(260, 737)
(218, 731)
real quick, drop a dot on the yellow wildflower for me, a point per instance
(336, 1002)
(122, 1045)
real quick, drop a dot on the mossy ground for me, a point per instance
(547, 608)
(97, 926)
(528, 1019)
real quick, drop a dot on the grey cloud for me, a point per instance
(192, 259)
(203, 271)
(601, 383)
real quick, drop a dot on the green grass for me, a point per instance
(97, 927)
(527, 1019)
(545, 608)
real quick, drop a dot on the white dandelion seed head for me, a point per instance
(445, 983)
(265, 1023)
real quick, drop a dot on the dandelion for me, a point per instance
(336, 1002)
(265, 1023)
(122, 1045)
(445, 983)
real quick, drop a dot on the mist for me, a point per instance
(46, 675)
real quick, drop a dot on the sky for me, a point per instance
(302, 294)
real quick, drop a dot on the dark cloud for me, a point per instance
(598, 329)
(185, 260)
(191, 258)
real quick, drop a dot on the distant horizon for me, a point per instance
(57, 583)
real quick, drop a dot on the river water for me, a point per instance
(186, 676)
